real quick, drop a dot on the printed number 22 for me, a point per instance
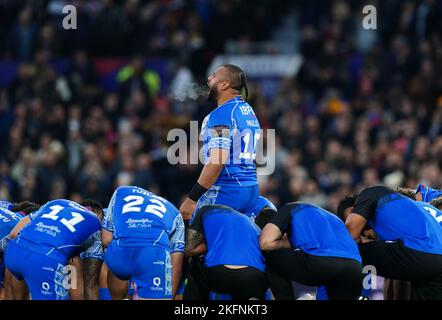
(70, 224)
(134, 205)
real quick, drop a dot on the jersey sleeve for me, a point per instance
(367, 201)
(93, 247)
(6, 205)
(36, 214)
(220, 117)
(282, 219)
(219, 130)
(108, 221)
(177, 235)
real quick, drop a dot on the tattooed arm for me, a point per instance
(92, 260)
(410, 193)
(91, 275)
(195, 244)
(437, 202)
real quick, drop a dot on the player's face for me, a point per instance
(213, 83)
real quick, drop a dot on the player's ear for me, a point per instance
(225, 85)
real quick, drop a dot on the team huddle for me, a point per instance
(225, 239)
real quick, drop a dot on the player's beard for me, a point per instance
(212, 96)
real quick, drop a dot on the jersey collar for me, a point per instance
(236, 99)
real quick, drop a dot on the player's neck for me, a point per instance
(227, 97)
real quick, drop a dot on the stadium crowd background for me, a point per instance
(365, 108)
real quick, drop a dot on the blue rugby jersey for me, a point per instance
(60, 230)
(244, 132)
(138, 217)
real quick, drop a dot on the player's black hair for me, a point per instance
(345, 203)
(237, 79)
(93, 204)
(437, 202)
(264, 217)
(26, 207)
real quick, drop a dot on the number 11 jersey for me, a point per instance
(60, 229)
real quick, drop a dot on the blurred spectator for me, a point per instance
(365, 108)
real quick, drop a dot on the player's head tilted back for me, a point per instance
(226, 80)
(345, 206)
(25, 207)
(93, 206)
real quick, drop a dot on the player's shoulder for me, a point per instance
(6, 204)
(123, 191)
(228, 107)
(375, 193)
(126, 189)
(9, 214)
(172, 209)
(68, 204)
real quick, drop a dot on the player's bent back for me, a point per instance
(147, 230)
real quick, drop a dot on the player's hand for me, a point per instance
(370, 234)
(187, 208)
(365, 239)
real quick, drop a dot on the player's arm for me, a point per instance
(91, 265)
(177, 253)
(91, 276)
(410, 193)
(213, 167)
(355, 224)
(7, 284)
(177, 260)
(107, 224)
(76, 292)
(106, 237)
(195, 244)
(364, 210)
(219, 152)
(272, 236)
(19, 226)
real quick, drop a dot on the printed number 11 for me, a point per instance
(70, 224)
(249, 150)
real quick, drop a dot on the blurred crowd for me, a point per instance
(365, 108)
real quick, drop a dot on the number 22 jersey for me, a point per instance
(138, 217)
